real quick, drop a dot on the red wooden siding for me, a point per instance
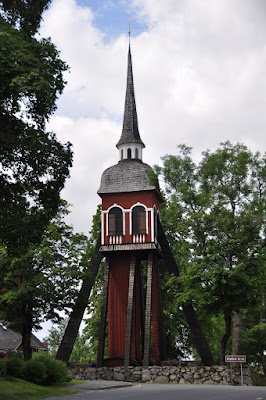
(117, 308)
(127, 200)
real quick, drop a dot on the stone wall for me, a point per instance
(219, 375)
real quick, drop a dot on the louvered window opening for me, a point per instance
(115, 222)
(138, 220)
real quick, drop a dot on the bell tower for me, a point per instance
(130, 209)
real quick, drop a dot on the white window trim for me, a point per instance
(102, 227)
(147, 210)
(129, 210)
(107, 212)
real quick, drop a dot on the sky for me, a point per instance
(199, 76)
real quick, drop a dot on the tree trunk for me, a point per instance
(26, 335)
(226, 337)
(237, 332)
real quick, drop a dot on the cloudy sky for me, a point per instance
(199, 72)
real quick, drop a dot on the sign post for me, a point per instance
(236, 359)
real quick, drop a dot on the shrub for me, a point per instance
(15, 367)
(36, 371)
(2, 368)
(46, 370)
(257, 378)
(56, 371)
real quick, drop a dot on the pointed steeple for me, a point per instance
(130, 131)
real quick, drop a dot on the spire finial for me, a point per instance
(129, 31)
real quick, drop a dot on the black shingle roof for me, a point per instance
(130, 131)
(126, 176)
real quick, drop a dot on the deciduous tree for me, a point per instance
(33, 163)
(42, 282)
(215, 220)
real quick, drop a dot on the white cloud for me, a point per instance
(199, 72)
(91, 140)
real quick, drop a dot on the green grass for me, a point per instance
(18, 389)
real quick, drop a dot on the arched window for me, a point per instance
(129, 153)
(138, 220)
(115, 222)
(136, 153)
(122, 154)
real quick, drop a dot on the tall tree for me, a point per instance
(215, 220)
(254, 325)
(33, 164)
(39, 284)
(24, 14)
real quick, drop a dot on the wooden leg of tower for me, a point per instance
(131, 285)
(160, 322)
(142, 309)
(158, 349)
(100, 355)
(147, 335)
(155, 313)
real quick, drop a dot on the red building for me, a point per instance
(130, 208)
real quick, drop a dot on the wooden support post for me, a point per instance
(100, 356)
(191, 317)
(147, 335)
(155, 312)
(79, 308)
(158, 350)
(142, 310)
(160, 321)
(131, 285)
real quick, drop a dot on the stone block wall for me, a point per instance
(219, 375)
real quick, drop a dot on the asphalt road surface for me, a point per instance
(170, 392)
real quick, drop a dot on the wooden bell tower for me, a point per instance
(130, 208)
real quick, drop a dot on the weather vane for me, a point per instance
(129, 31)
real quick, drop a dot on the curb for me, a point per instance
(98, 385)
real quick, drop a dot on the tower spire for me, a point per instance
(130, 132)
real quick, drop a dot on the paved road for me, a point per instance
(167, 392)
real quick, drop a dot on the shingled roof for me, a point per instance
(10, 340)
(130, 131)
(126, 176)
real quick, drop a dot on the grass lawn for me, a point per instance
(18, 389)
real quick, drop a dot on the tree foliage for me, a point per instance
(33, 163)
(215, 220)
(42, 282)
(81, 351)
(25, 15)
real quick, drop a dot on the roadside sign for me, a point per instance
(236, 359)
